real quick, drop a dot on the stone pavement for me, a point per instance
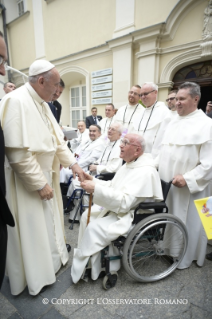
(191, 288)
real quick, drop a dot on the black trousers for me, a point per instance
(3, 249)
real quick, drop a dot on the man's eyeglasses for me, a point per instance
(126, 142)
(170, 99)
(134, 93)
(147, 93)
(2, 61)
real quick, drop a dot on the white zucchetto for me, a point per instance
(40, 66)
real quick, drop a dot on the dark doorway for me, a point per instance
(206, 95)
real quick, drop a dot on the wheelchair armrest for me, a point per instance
(106, 176)
(151, 205)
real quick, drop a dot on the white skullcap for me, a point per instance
(40, 66)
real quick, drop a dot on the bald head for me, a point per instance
(132, 147)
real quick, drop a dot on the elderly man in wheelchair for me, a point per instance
(161, 240)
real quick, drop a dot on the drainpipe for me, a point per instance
(3, 12)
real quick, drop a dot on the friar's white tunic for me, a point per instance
(187, 150)
(105, 123)
(173, 114)
(151, 124)
(35, 147)
(127, 114)
(110, 161)
(133, 183)
(82, 138)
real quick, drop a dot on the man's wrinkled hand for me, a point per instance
(86, 176)
(46, 193)
(92, 168)
(76, 169)
(179, 181)
(88, 186)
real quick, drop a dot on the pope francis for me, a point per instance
(115, 200)
(34, 147)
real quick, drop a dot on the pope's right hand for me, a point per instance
(85, 176)
(46, 193)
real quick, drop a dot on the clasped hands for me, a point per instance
(179, 181)
(87, 183)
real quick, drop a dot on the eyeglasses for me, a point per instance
(170, 99)
(134, 93)
(2, 61)
(111, 129)
(145, 94)
(126, 142)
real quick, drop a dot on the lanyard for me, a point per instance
(147, 120)
(106, 123)
(131, 115)
(108, 154)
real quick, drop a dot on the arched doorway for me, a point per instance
(200, 73)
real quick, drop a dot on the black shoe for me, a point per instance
(68, 248)
(102, 274)
(43, 289)
(75, 222)
(209, 256)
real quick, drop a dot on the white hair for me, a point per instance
(152, 84)
(119, 126)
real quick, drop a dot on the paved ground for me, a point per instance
(192, 287)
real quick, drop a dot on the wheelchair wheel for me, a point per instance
(107, 283)
(155, 247)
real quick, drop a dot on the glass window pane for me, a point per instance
(84, 114)
(72, 92)
(77, 91)
(83, 101)
(73, 104)
(84, 91)
(77, 101)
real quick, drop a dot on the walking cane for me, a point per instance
(89, 208)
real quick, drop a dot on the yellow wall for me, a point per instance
(21, 40)
(71, 26)
(151, 12)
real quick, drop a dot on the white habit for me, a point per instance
(35, 148)
(105, 123)
(187, 150)
(127, 114)
(110, 161)
(151, 124)
(173, 114)
(82, 138)
(133, 183)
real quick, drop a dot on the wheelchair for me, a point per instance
(153, 248)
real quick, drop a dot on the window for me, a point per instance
(78, 104)
(20, 7)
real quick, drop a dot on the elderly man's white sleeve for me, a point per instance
(198, 178)
(111, 167)
(90, 159)
(64, 155)
(26, 167)
(115, 200)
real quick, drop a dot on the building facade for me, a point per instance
(102, 47)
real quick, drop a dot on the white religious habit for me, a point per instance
(105, 123)
(187, 150)
(35, 147)
(134, 182)
(127, 114)
(109, 161)
(151, 124)
(89, 154)
(81, 138)
(173, 114)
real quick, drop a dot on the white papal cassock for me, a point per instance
(151, 124)
(127, 114)
(187, 150)
(35, 147)
(133, 183)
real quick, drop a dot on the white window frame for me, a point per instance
(81, 108)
